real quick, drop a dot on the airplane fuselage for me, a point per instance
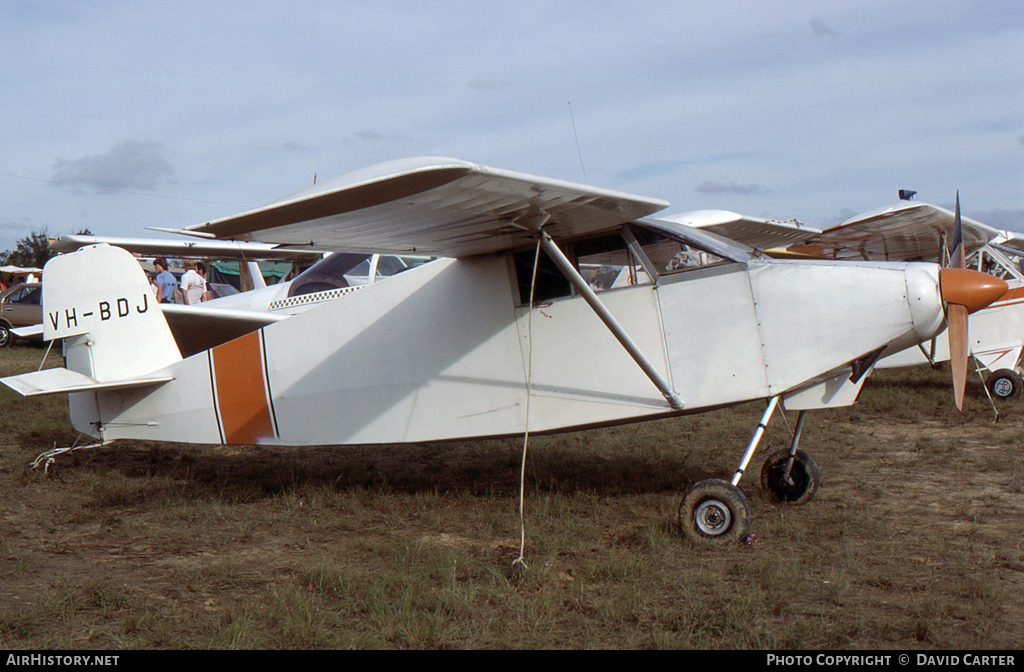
(445, 351)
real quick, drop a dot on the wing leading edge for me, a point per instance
(434, 206)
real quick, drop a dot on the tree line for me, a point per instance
(33, 250)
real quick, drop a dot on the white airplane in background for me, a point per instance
(202, 326)
(495, 338)
(917, 231)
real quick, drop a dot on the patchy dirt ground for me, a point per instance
(914, 541)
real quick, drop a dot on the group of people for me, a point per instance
(191, 290)
(8, 280)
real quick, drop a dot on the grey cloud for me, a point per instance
(819, 27)
(489, 84)
(292, 146)
(1021, 139)
(373, 138)
(836, 220)
(712, 187)
(131, 164)
(1012, 220)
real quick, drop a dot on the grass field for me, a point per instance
(914, 540)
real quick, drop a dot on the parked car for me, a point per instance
(20, 306)
(220, 289)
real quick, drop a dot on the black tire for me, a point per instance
(1004, 384)
(5, 335)
(714, 512)
(804, 478)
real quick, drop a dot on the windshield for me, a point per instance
(350, 270)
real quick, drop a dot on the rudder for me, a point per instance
(99, 300)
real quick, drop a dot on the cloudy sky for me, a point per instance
(119, 115)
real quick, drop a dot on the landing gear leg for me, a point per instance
(791, 476)
(716, 512)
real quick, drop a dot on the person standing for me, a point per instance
(165, 281)
(193, 284)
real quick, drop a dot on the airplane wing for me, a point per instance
(434, 206)
(750, 231)
(1011, 239)
(218, 249)
(908, 231)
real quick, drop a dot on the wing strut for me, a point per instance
(620, 334)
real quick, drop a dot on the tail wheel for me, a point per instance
(714, 512)
(1004, 384)
(803, 481)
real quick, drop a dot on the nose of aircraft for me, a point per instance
(971, 289)
(964, 292)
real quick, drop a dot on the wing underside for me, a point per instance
(438, 207)
(910, 231)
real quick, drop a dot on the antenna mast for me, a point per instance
(578, 152)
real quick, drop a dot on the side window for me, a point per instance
(30, 296)
(672, 256)
(550, 284)
(608, 263)
(388, 265)
(15, 297)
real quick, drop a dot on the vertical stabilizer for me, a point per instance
(99, 300)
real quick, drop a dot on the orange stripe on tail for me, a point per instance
(242, 390)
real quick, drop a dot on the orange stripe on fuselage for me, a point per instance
(241, 390)
(1015, 293)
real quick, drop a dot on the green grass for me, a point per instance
(913, 540)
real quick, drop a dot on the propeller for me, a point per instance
(964, 292)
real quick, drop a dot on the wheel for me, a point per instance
(1004, 384)
(803, 482)
(714, 512)
(5, 335)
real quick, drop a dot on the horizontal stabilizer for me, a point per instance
(30, 331)
(198, 328)
(54, 381)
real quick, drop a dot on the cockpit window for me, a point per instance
(349, 270)
(637, 254)
(328, 273)
(1002, 262)
(669, 255)
(609, 263)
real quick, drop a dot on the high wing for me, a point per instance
(908, 231)
(434, 206)
(217, 249)
(754, 232)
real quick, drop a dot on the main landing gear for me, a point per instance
(1004, 384)
(716, 512)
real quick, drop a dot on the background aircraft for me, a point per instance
(327, 276)
(494, 338)
(917, 231)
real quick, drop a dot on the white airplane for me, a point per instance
(917, 231)
(495, 338)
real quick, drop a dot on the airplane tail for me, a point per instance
(99, 301)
